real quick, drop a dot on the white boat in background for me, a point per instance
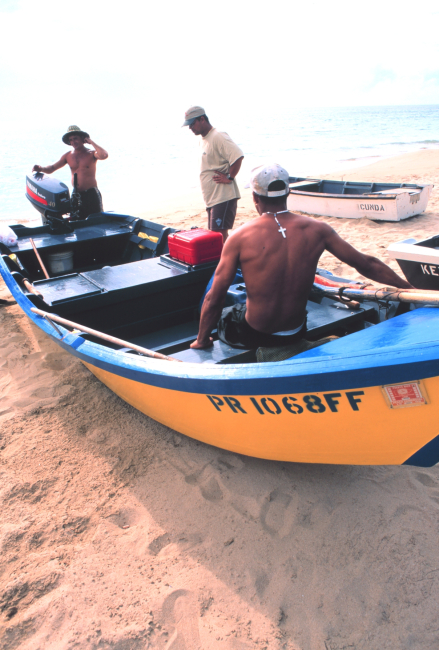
(355, 200)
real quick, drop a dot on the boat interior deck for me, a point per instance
(325, 186)
(124, 283)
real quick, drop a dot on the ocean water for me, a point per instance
(148, 165)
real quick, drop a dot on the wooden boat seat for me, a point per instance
(219, 353)
(309, 185)
(175, 341)
(351, 187)
(400, 190)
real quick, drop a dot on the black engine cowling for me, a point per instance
(52, 200)
(48, 195)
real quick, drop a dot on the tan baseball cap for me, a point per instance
(261, 177)
(191, 115)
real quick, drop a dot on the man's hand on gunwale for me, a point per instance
(196, 345)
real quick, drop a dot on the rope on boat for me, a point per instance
(112, 339)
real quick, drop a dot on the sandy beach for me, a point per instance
(119, 533)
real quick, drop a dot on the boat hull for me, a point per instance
(336, 426)
(327, 405)
(378, 207)
(419, 261)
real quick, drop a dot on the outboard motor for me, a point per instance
(52, 200)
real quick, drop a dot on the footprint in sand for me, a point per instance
(429, 482)
(261, 583)
(158, 543)
(426, 479)
(277, 514)
(180, 613)
(209, 487)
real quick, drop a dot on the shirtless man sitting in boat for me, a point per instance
(278, 253)
(82, 161)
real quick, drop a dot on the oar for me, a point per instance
(321, 282)
(39, 258)
(30, 287)
(380, 293)
(101, 335)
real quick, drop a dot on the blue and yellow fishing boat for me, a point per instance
(114, 297)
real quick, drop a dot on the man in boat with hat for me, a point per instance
(278, 253)
(82, 161)
(220, 163)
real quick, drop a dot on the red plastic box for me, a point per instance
(197, 246)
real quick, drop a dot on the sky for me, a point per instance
(141, 64)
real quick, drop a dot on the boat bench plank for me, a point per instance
(305, 184)
(324, 318)
(219, 353)
(175, 341)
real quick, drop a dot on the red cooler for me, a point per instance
(197, 246)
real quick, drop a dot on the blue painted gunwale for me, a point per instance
(305, 373)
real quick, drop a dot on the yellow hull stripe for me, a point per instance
(355, 427)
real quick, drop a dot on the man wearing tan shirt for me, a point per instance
(220, 163)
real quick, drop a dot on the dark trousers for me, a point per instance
(91, 202)
(234, 330)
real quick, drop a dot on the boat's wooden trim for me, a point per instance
(101, 335)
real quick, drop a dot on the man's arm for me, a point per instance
(369, 266)
(233, 171)
(99, 153)
(214, 300)
(51, 168)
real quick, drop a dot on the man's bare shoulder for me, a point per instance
(313, 224)
(244, 229)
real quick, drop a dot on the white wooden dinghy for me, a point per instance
(355, 200)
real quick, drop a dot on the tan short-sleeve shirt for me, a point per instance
(219, 152)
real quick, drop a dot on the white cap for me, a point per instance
(261, 177)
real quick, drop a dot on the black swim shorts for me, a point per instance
(91, 202)
(234, 330)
